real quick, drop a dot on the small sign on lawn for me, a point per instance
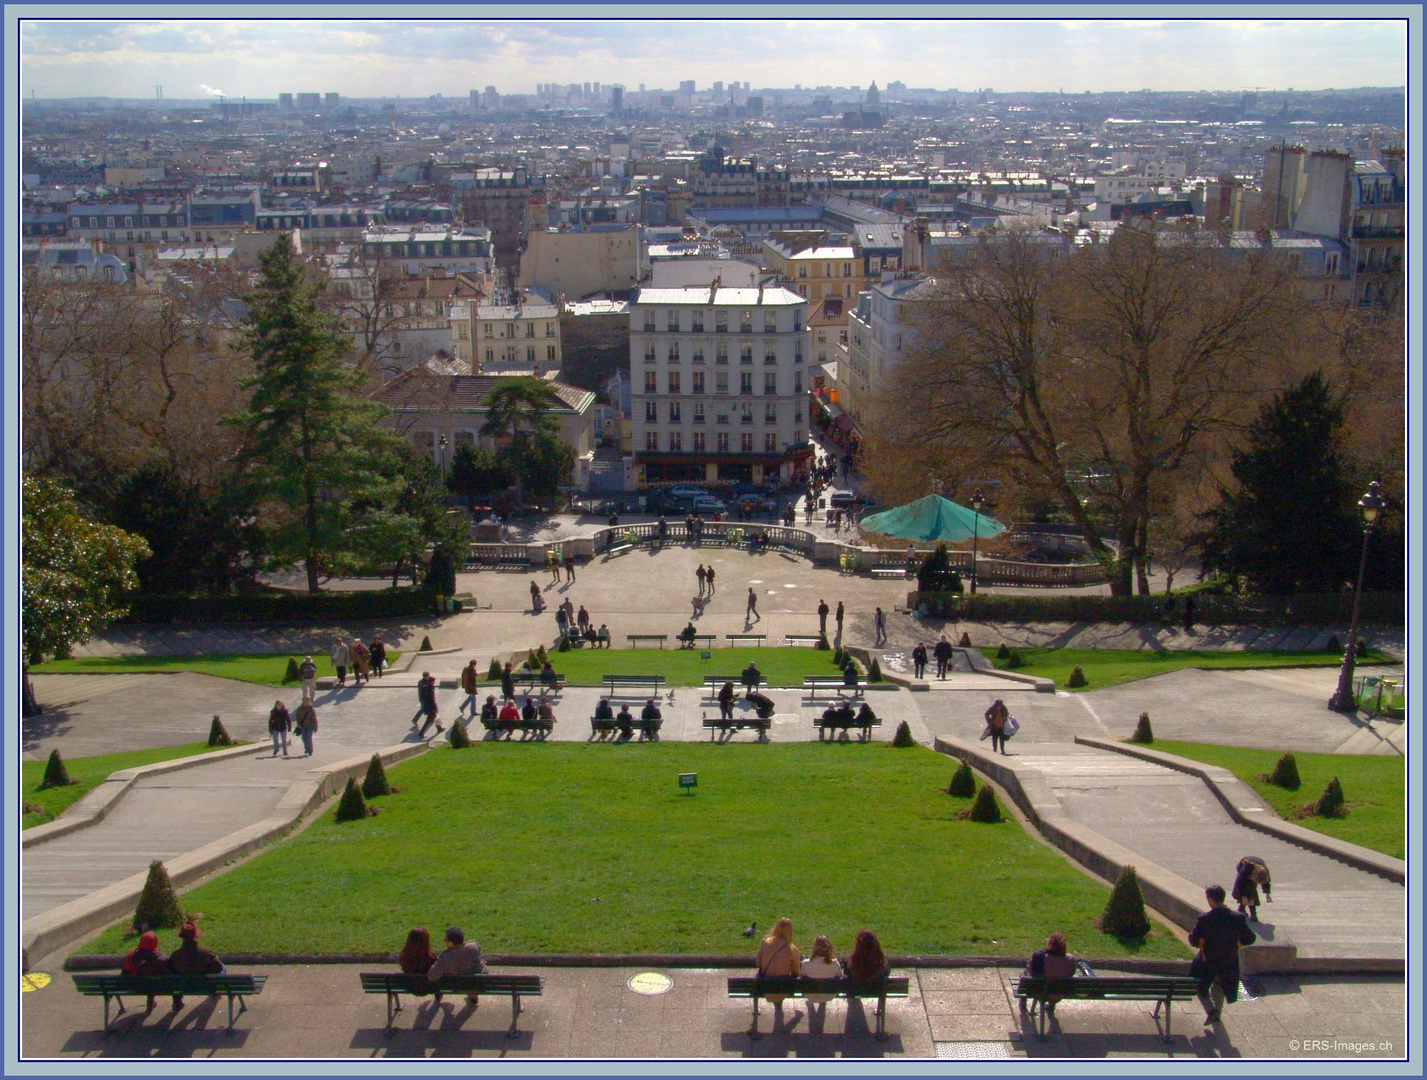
(706, 655)
(688, 781)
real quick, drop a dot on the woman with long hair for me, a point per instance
(416, 955)
(779, 956)
(821, 964)
(867, 961)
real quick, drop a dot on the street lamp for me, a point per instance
(977, 502)
(1343, 700)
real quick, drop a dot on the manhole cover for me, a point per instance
(650, 983)
(35, 980)
(970, 1051)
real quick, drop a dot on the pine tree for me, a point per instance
(874, 673)
(1143, 734)
(1003, 652)
(963, 782)
(375, 782)
(158, 903)
(965, 640)
(1015, 660)
(984, 809)
(493, 672)
(56, 775)
(935, 575)
(1124, 914)
(293, 672)
(1077, 678)
(425, 644)
(353, 806)
(218, 734)
(903, 737)
(1285, 773)
(1330, 803)
(459, 739)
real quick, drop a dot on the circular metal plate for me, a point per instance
(650, 983)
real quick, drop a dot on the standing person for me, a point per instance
(279, 724)
(554, 568)
(305, 723)
(192, 959)
(361, 663)
(752, 611)
(562, 621)
(378, 654)
(919, 661)
(777, 955)
(838, 618)
(710, 571)
(535, 596)
(340, 656)
(725, 701)
(1189, 613)
(942, 652)
(426, 704)
(703, 577)
(1218, 934)
(570, 566)
(582, 619)
(996, 724)
(879, 625)
(823, 610)
(470, 681)
(507, 681)
(308, 674)
(459, 957)
(1251, 873)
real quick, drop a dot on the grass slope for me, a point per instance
(1110, 667)
(1373, 786)
(263, 668)
(686, 667)
(89, 772)
(556, 847)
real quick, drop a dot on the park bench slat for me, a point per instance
(654, 682)
(1164, 990)
(814, 683)
(395, 983)
(760, 986)
(760, 638)
(648, 729)
(117, 987)
(633, 638)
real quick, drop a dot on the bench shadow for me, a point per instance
(447, 1040)
(181, 1034)
(1214, 1042)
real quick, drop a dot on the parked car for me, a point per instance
(683, 491)
(707, 504)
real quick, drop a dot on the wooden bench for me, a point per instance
(889, 571)
(689, 642)
(760, 986)
(633, 639)
(865, 726)
(540, 728)
(813, 683)
(648, 729)
(1163, 990)
(395, 983)
(532, 680)
(118, 987)
(620, 682)
(803, 639)
(734, 639)
(717, 724)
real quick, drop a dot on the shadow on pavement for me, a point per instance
(182, 1034)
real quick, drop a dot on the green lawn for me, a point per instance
(686, 667)
(89, 772)
(265, 668)
(1110, 667)
(554, 847)
(1373, 786)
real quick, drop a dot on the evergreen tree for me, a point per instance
(218, 734)
(1143, 733)
(935, 575)
(315, 448)
(475, 473)
(56, 773)
(963, 782)
(1124, 914)
(984, 809)
(1285, 773)
(518, 413)
(1291, 525)
(1330, 803)
(903, 737)
(353, 806)
(375, 782)
(158, 904)
(459, 739)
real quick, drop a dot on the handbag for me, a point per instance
(1012, 726)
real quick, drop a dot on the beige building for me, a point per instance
(815, 266)
(517, 337)
(580, 264)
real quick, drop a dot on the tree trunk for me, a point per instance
(1142, 562)
(312, 570)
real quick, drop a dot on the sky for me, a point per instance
(417, 58)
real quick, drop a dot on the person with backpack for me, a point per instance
(307, 672)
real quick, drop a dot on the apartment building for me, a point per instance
(719, 384)
(513, 338)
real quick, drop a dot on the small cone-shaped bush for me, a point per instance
(838, 657)
(963, 783)
(1334, 645)
(1077, 678)
(56, 775)
(1285, 773)
(218, 734)
(293, 673)
(904, 735)
(426, 644)
(459, 739)
(822, 643)
(353, 806)
(1143, 734)
(1004, 652)
(984, 809)
(1330, 803)
(1362, 648)
(158, 903)
(564, 645)
(965, 640)
(874, 673)
(493, 673)
(1124, 914)
(541, 655)
(375, 782)
(1015, 660)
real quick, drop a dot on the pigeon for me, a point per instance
(752, 929)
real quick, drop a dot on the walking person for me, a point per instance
(838, 619)
(942, 652)
(996, 724)
(879, 626)
(470, 682)
(340, 656)
(919, 661)
(426, 697)
(703, 576)
(361, 663)
(751, 614)
(823, 610)
(305, 723)
(507, 681)
(710, 572)
(378, 654)
(570, 566)
(562, 622)
(279, 724)
(307, 672)
(554, 568)
(1218, 934)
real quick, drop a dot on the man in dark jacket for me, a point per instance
(942, 652)
(1218, 934)
(426, 695)
(191, 959)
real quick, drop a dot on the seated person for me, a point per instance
(525, 668)
(190, 959)
(591, 637)
(603, 635)
(867, 961)
(509, 714)
(686, 635)
(490, 711)
(604, 711)
(146, 960)
(762, 703)
(545, 710)
(650, 711)
(416, 956)
(865, 715)
(752, 676)
(537, 603)
(843, 713)
(548, 677)
(528, 711)
(849, 674)
(1053, 962)
(459, 957)
(625, 720)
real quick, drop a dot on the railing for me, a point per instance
(503, 553)
(722, 531)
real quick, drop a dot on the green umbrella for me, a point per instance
(932, 520)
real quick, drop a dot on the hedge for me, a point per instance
(1210, 610)
(281, 607)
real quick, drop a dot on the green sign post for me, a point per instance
(688, 781)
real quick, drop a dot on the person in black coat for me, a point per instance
(1218, 934)
(725, 701)
(919, 661)
(943, 657)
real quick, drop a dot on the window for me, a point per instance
(530, 355)
(698, 387)
(745, 319)
(674, 381)
(1330, 264)
(676, 441)
(490, 330)
(649, 356)
(770, 382)
(651, 382)
(797, 382)
(723, 442)
(745, 414)
(798, 410)
(770, 443)
(651, 440)
(802, 271)
(465, 438)
(798, 437)
(798, 353)
(721, 322)
(770, 413)
(530, 329)
(671, 320)
(490, 356)
(549, 329)
(697, 318)
(797, 322)
(550, 353)
(745, 383)
(720, 382)
(721, 355)
(770, 356)
(846, 269)
(722, 418)
(649, 322)
(674, 353)
(745, 355)
(698, 417)
(770, 323)
(745, 442)
(698, 442)
(651, 412)
(822, 356)
(698, 357)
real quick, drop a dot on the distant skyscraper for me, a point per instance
(616, 101)
(475, 101)
(334, 99)
(718, 87)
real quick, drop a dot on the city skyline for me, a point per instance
(419, 58)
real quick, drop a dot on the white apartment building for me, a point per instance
(878, 336)
(719, 384)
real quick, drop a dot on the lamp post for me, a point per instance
(441, 454)
(977, 502)
(1370, 505)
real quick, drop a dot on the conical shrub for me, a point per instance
(493, 672)
(293, 672)
(822, 644)
(874, 673)
(564, 645)
(158, 903)
(965, 642)
(1015, 660)
(1077, 678)
(963, 782)
(375, 782)
(1334, 645)
(541, 655)
(839, 658)
(1143, 734)
(426, 644)
(56, 775)
(1285, 773)
(353, 806)
(459, 739)
(903, 737)
(218, 734)
(1124, 914)
(984, 809)
(1330, 803)
(1003, 652)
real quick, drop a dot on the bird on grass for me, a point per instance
(752, 929)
